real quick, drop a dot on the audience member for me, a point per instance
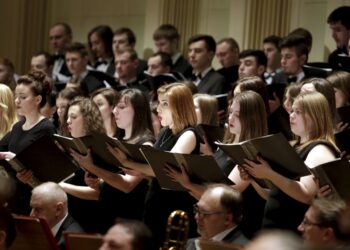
(218, 214)
(49, 202)
(60, 36)
(128, 235)
(276, 240)
(320, 227)
(7, 229)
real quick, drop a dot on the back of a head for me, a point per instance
(142, 238)
(276, 240)
(7, 226)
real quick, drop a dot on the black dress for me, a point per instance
(253, 206)
(282, 211)
(114, 203)
(15, 141)
(160, 203)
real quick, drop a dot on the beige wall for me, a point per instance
(219, 18)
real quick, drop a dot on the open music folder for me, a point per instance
(201, 169)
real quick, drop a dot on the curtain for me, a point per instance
(183, 14)
(264, 18)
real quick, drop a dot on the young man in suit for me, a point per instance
(124, 38)
(294, 55)
(126, 63)
(339, 23)
(227, 53)
(88, 80)
(49, 202)
(252, 63)
(100, 43)
(60, 36)
(201, 51)
(42, 61)
(273, 54)
(218, 214)
(166, 39)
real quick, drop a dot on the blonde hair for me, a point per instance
(316, 106)
(208, 106)
(8, 115)
(181, 105)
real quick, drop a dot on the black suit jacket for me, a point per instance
(309, 72)
(95, 80)
(212, 83)
(68, 225)
(183, 67)
(231, 76)
(235, 236)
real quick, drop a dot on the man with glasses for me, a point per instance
(218, 213)
(320, 226)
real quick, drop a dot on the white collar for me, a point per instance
(56, 227)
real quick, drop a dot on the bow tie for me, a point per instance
(268, 75)
(292, 79)
(58, 57)
(100, 62)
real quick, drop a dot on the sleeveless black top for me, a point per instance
(160, 203)
(281, 210)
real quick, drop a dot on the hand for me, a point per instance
(260, 170)
(244, 174)
(92, 180)
(176, 176)
(205, 148)
(341, 126)
(85, 161)
(25, 176)
(118, 154)
(7, 155)
(275, 103)
(324, 191)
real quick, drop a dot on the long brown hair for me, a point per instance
(316, 106)
(252, 116)
(181, 105)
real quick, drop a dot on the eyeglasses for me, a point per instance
(202, 213)
(306, 222)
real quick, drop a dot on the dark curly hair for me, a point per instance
(39, 83)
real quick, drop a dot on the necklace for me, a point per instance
(166, 137)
